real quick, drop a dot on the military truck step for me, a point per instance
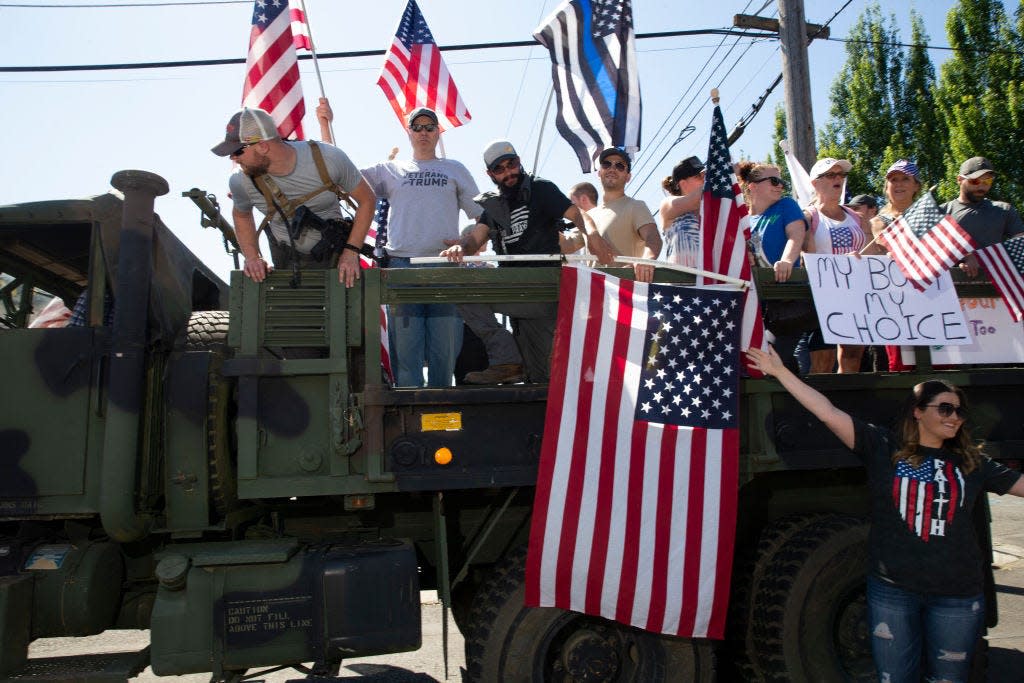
(112, 666)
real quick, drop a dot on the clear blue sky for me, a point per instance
(66, 133)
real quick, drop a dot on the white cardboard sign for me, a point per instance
(997, 338)
(868, 300)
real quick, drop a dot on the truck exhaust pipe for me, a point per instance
(127, 371)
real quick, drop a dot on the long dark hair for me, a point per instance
(909, 432)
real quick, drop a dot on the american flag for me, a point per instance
(375, 231)
(635, 509)
(924, 242)
(725, 229)
(593, 66)
(301, 38)
(1004, 262)
(928, 496)
(272, 68)
(414, 73)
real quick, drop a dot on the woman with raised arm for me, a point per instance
(925, 569)
(680, 212)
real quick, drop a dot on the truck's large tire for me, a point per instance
(508, 642)
(809, 615)
(208, 331)
(750, 568)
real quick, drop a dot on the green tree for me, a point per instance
(981, 94)
(865, 97)
(780, 133)
(919, 133)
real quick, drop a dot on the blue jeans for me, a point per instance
(904, 625)
(423, 333)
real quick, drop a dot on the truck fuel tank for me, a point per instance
(265, 603)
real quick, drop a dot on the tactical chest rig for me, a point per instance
(297, 216)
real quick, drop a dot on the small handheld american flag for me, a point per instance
(924, 242)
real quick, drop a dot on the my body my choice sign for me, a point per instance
(868, 300)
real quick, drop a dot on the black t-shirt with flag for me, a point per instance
(527, 224)
(922, 535)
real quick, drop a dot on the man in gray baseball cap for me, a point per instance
(278, 177)
(426, 194)
(988, 222)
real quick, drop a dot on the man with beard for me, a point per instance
(522, 216)
(986, 221)
(625, 222)
(277, 177)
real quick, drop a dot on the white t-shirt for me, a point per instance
(425, 198)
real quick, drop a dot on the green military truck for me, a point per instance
(229, 469)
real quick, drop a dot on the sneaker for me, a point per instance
(507, 373)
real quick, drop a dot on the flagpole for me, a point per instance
(316, 64)
(543, 122)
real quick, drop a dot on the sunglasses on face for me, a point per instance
(240, 151)
(510, 165)
(833, 174)
(774, 180)
(947, 409)
(618, 165)
(417, 127)
(980, 181)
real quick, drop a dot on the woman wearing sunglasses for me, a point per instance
(833, 229)
(925, 578)
(902, 188)
(777, 230)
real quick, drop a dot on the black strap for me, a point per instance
(296, 275)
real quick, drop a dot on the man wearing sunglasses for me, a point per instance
(986, 221)
(292, 175)
(621, 220)
(523, 215)
(426, 194)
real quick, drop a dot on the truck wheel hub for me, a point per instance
(589, 658)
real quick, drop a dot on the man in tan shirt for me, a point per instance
(625, 222)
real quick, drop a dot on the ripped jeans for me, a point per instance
(904, 624)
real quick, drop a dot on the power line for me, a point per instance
(697, 93)
(658, 139)
(356, 53)
(108, 5)
(926, 46)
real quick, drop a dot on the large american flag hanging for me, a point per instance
(635, 509)
(593, 66)
(272, 69)
(415, 75)
(1004, 262)
(725, 229)
(924, 242)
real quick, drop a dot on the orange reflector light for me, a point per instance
(360, 501)
(442, 456)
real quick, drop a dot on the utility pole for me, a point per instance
(794, 34)
(797, 81)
